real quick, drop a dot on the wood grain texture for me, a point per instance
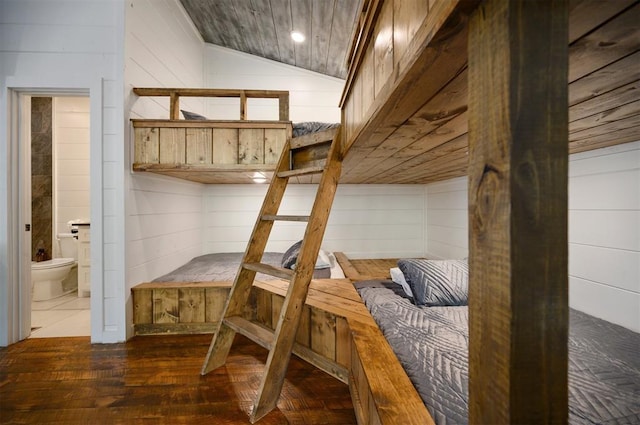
(518, 213)
(262, 28)
(251, 146)
(199, 146)
(287, 325)
(385, 387)
(172, 146)
(225, 145)
(155, 379)
(239, 294)
(398, 131)
(147, 146)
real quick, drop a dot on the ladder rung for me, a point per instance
(253, 331)
(285, 217)
(301, 171)
(264, 337)
(280, 272)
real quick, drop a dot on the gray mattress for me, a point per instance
(308, 127)
(219, 267)
(432, 345)
(223, 266)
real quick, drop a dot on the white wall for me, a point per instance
(366, 221)
(604, 230)
(447, 224)
(62, 46)
(71, 162)
(164, 215)
(604, 233)
(313, 96)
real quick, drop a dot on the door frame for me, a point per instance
(17, 308)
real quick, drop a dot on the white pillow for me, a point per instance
(323, 261)
(332, 258)
(398, 277)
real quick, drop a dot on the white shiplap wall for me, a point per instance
(164, 215)
(366, 221)
(66, 46)
(71, 158)
(604, 230)
(447, 225)
(604, 233)
(313, 96)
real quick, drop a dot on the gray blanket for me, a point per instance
(217, 267)
(307, 127)
(432, 345)
(222, 267)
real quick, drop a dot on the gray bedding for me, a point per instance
(308, 127)
(432, 345)
(222, 267)
(217, 267)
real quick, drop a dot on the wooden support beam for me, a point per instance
(283, 109)
(243, 105)
(518, 312)
(174, 107)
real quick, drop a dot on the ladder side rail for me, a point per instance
(286, 329)
(239, 294)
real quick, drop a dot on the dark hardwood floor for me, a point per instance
(156, 380)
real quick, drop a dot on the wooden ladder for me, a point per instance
(316, 153)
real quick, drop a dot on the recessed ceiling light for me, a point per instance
(297, 36)
(259, 180)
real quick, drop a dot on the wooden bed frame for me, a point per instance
(444, 88)
(501, 91)
(337, 333)
(211, 151)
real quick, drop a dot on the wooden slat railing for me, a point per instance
(175, 94)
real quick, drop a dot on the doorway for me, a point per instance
(20, 208)
(60, 214)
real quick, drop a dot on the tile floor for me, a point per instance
(64, 316)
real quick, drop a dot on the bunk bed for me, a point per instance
(431, 343)
(442, 89)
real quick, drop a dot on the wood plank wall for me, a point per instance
(216, 144)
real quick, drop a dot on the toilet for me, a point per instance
(53, 278)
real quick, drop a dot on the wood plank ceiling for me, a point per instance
(604, 105)
(263, 28)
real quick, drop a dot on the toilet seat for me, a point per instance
(53, 263)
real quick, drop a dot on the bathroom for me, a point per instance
(60, 195)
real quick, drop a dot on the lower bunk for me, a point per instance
(337, 334)
(430, 338)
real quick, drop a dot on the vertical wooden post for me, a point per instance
(243, 105)
(283, 107)
(518, 150)
(174, 106)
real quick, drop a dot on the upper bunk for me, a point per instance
(404, 106)
(210, 151)
(205, 150)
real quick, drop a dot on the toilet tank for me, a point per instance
(68, 245)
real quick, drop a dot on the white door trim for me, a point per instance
(14, 304)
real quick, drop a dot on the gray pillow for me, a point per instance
(192, 115)
(291, 255)
(290, 258)
(437, 282)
